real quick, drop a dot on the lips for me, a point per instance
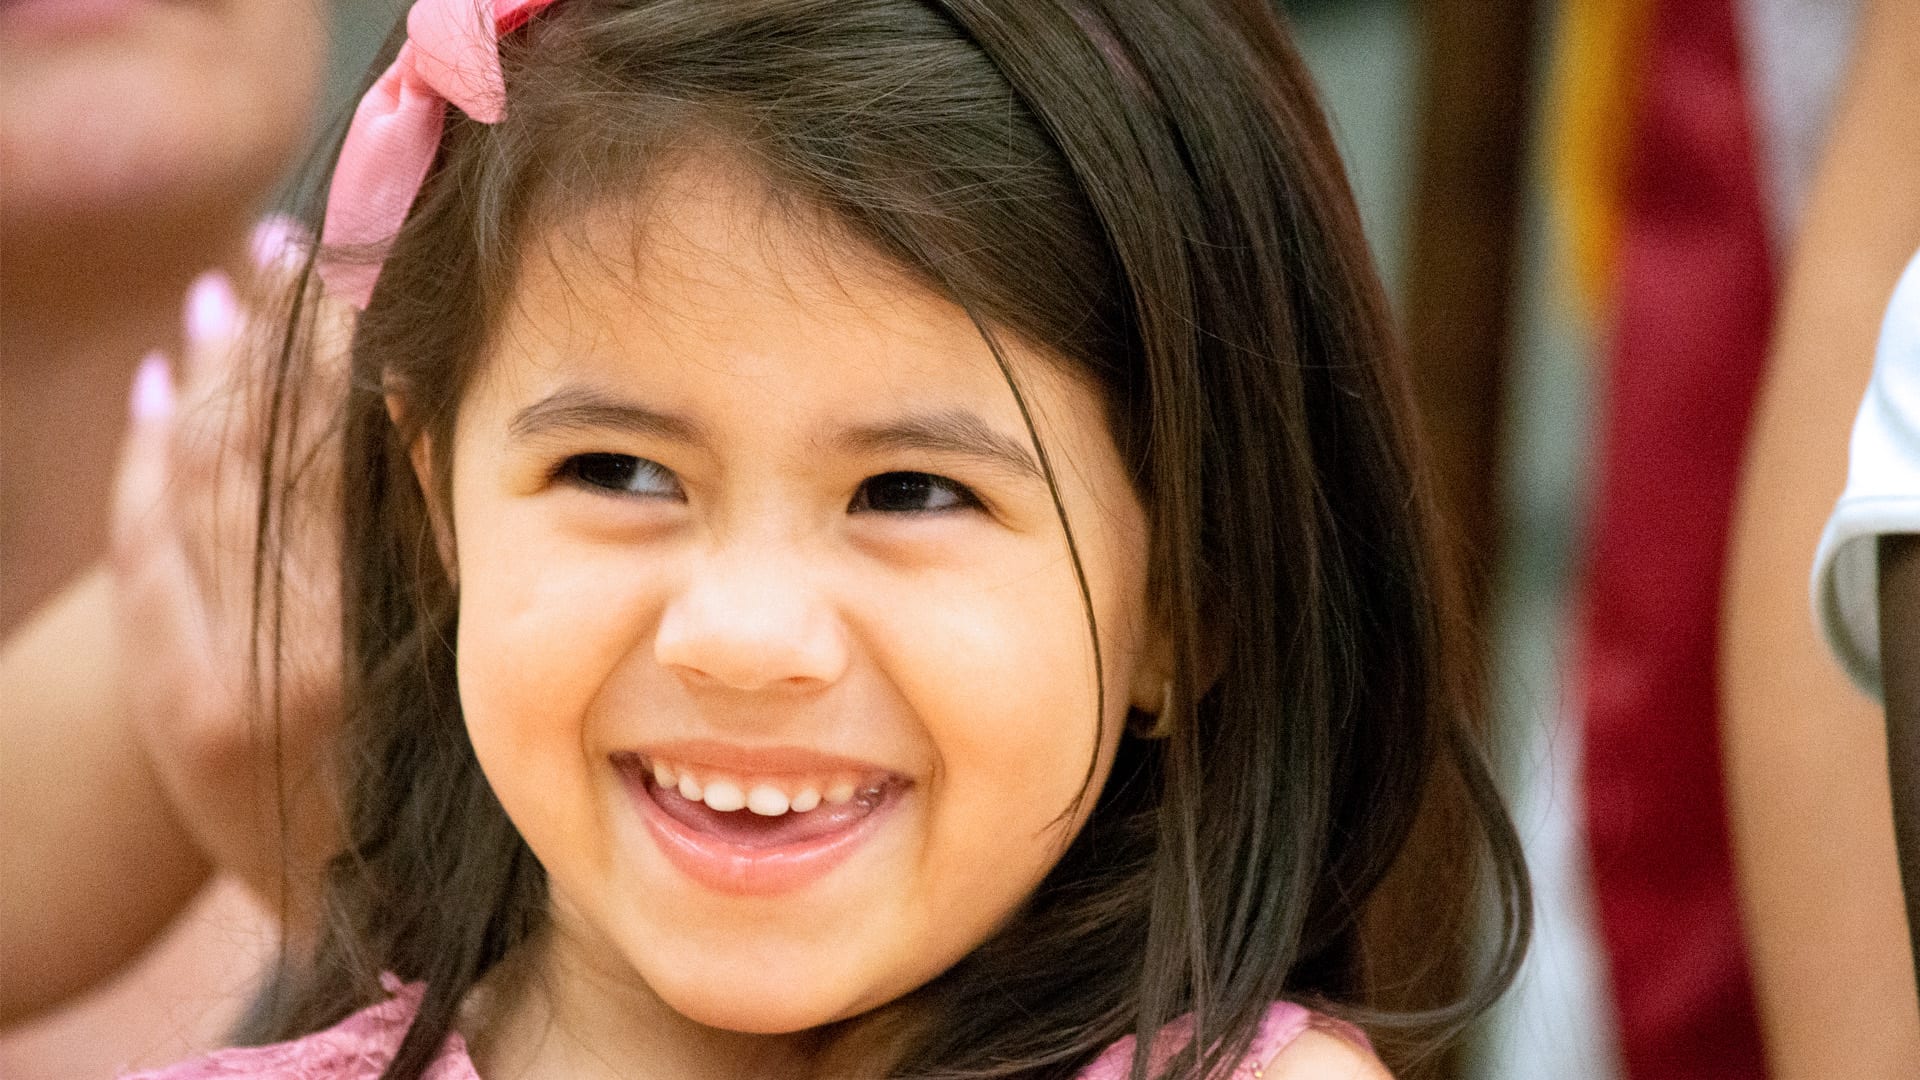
(730, 847)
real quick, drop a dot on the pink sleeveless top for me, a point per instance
(358, 1047)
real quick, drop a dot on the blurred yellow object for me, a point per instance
(1596, 76)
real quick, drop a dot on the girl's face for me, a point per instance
(741, 517)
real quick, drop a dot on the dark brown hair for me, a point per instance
(1148, 189)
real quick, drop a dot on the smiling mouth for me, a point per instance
(742, 834)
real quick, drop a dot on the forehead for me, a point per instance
(710, 281)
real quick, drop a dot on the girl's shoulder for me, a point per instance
(1293, 1043)
(357, 1048)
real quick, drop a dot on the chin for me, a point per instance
(764, 996)
(768, 1010)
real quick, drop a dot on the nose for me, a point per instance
(751, 622)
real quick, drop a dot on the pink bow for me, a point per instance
(452, 54)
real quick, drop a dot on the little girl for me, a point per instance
(880, 541)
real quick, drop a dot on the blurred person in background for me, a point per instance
(1806, 751)
(1748, 915)
(138, 142)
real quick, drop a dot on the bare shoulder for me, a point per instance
(1322, 1055)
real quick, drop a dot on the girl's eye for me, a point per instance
(910, 493)
(620, 472)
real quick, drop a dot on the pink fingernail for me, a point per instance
(153, 388)
(212, 310)
(278, 241)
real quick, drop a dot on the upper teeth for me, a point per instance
(768, 798)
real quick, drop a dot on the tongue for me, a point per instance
(748, 829)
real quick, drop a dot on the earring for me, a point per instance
(1162, 722)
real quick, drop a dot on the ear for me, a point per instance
(1150, 690)
(1152, 672)
(420, 456)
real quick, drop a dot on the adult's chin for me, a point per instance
(168, 106)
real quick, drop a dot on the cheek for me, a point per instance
(1007, 665)
(1001, 679)
(1006, 677)
(1010, 669)
(540, 631)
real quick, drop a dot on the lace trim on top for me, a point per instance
(360, 1046)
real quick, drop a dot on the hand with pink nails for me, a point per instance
(250, 784)
(147, 779)
(139, 141)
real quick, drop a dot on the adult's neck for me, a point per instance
(79, 305)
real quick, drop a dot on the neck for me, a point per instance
(64, 375)
(81, 298)
(76, 315)
(563, 1008)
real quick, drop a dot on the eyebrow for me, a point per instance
(953, 431)
(577, 409)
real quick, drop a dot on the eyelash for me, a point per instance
(963, 497)
(590, 471)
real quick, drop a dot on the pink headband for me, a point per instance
(451, 55)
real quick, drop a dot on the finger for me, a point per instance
(332, 341)
(279, 246)
(211, 319)
(220, 410)
(141, 483)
